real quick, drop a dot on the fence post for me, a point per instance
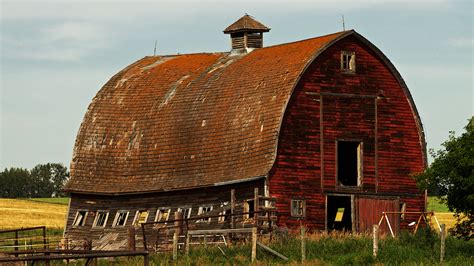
(131, 238)
(16, 242)
(188, 238)
(232, 211)
(303, 244)
(255, 206)
(44, 237)
(443, 242)
(254, 243)
(176, 234)
(375, 228)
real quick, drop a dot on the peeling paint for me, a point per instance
(171, 92)
(158, 62)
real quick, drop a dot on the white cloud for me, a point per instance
(461, 42)
(62, 42)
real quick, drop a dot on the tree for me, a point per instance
(48, 179)
(15, 183)
(452, 175)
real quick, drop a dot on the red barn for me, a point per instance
(324, 125)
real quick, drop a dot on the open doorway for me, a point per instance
(339, 213)
(349, 163)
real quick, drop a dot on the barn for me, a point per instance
(325, 126)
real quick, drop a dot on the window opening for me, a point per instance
(100, 219)
(140, 217)
(298, 208)
(224, 214)
(249, 208)
(348, 163)
(162, 214)
(203, 210)
(80, 219)
(348, 64)
(338, 213)
(186, 212)
(120, 218)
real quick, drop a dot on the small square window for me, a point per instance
(186, 212)
(162, 214)
(224, 213)
(348, 62)
(100, 219)
(204, 210)
(298, 208)
(140, 217)
(120, 218)
(80, 219)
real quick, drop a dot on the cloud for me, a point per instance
(462, 42)
(59, 41)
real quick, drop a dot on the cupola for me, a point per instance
(246, 34)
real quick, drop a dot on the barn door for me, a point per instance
(369, 212)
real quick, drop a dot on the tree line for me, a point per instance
(42, 181)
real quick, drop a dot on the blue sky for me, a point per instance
(55, 55)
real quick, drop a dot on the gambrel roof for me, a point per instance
(189, 121)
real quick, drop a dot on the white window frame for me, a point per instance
(136, 219)
(83, 223)
(223, 213)
(208, 208)
(162, 210)
(186, 210)
(295, 211)
(348, 62)
(117, 217)
(96, 219)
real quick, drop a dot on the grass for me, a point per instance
(62, 201)
(324, 249)
(435, 205)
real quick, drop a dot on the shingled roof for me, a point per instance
(246, 23)
(188, 121)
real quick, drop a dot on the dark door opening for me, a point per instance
(348, 163)
(339, 213)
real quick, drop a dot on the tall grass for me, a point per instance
(329, 249)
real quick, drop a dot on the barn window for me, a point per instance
(162, 214)
(101, 219)
(140, 217)
(224, 213)
(120, 218)
(186, 212)
(249, 209)
(80, 219)
(348, 63)
(203, 210)
(298, 208)
(349, 163)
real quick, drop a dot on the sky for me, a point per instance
(56, 55)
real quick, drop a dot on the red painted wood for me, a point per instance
(297, 170)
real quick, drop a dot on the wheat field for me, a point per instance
(16, 213)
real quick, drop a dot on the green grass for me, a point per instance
(421, 249)
(63, 201)
(435, 205)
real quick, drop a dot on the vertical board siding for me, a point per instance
(297, 169)
(189, 198)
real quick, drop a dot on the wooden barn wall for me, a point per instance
(392, 150)
(188, 198)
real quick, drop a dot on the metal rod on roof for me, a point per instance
(343, 23)
(154, 51)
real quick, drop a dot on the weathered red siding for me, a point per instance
(392, 146)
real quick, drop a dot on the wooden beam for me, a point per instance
(272, 251)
